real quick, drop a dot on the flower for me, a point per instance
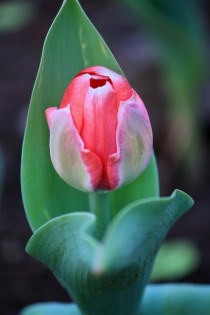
(100, 136)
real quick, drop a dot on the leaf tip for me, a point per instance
(184, 198)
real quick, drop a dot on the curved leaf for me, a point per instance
(170, 299)
(71, 45)
(64, 246)
(146, 185)
(62, 241)
(176, 299)
(136, 233)
(118, 267)
(52, 308)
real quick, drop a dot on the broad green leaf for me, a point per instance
(146, 185)
(51, 308)
(15, 14)
(115, 269)
(71, 45)
(64, 245)
(176, 259)
(170, 299)
(63, 241)
(176, 299)
(136, 233)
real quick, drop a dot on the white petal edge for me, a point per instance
(68, 154)
(134, 143)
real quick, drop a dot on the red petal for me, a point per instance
(100, 123)
(74, 96)
(120, 84)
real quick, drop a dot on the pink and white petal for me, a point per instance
(75, 95)
(120, 84)
(77, 166)
(134, 143)
(49, 113)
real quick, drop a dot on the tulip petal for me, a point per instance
(75, 95)
(99, 125)
(120, 84)
(134, 143)
(77, 166)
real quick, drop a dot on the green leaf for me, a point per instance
(136, 233)
(64, 245)
(146, 185)
(170, 299)
(71, 45)
(96, 273)
(51, 308)
(61, 242)
(176, 259)
(176, 299)
(15, 14)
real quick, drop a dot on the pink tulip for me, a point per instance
(100, 136)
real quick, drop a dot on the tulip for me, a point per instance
(100, 136)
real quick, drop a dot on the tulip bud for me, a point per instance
(100, 136)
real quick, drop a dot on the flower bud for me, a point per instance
(100, 136)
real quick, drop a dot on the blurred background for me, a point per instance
(163, 48)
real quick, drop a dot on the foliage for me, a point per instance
(176, 259)
(15, 14)
(170, 299)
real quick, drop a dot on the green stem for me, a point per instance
(99, 205)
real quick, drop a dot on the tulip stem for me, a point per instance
(99, 205)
